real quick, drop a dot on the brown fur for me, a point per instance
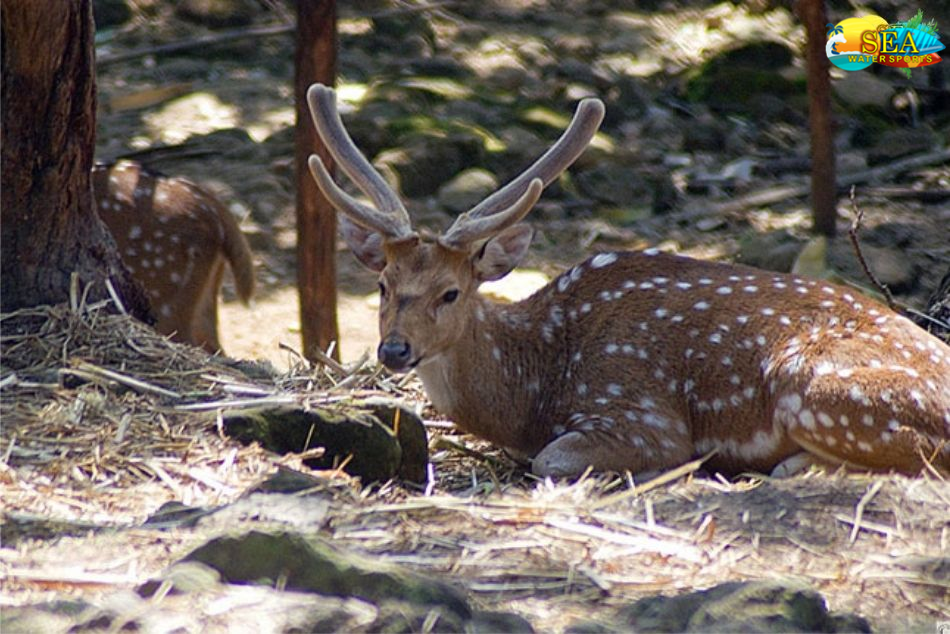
(175, 238)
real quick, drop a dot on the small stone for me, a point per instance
(218, 13)
(775, 251)
(467, 189)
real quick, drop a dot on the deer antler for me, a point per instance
(508, 201)
(467, 228)
(390, 217)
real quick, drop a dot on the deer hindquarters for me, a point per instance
(886, 419)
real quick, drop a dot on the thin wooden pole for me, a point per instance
(316, 219)
(824, 196)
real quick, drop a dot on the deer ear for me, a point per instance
(502, 253)
(366, 244)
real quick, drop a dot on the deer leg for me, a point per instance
(633, 440)
(897, 425)
(205, 318)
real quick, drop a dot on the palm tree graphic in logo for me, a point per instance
(835, 35)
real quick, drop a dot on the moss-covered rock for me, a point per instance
(755, 606)
(312, 565)
(728, 81)
(354, 437)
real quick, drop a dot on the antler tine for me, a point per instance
(391, 219)
(571, 144)
(344, 203)
(468, 229)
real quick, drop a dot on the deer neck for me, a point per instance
(488, 383)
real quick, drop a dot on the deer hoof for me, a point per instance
(563, 457)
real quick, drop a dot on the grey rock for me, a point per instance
(110, 13)
(491, 622)
(183, 577)
(218, 13)
(40, 618)
(756, 606)
(774, 251)
(863, 89)
(891, 266)
(894, 144)
(467, 189)
(614, 184)
(427, 161)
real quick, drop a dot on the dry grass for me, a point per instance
(103, 421)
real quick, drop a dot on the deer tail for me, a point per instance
(238, 252)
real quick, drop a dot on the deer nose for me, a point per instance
(394, 352)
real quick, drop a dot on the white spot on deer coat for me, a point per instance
(603, 259)
(807, 419)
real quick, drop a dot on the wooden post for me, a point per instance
(824, 194)
(50, 228)
(316, 219)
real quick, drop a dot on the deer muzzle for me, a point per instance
(395, 353)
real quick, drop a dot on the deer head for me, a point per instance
(427, 283)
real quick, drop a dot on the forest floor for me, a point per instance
(487, 85)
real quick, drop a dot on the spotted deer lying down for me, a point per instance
(636, 360)
(175, 238)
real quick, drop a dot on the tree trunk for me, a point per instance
(824, 194)
(48, 118)
(316, 219)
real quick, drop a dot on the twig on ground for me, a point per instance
(444, 443)
(859, 508)
(853, 235)
(660, 480)
(128, 381)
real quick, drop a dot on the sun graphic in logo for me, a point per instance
(844, 42)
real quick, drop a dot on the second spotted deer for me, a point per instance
(637, 360)
(175, 238)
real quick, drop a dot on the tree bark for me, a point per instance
(824, 196)
(50, 229)
(316, 219)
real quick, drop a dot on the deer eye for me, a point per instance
(450, 296)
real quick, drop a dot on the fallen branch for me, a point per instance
(853, 235)
(198, 42)
(779, 193)
(246, 33)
